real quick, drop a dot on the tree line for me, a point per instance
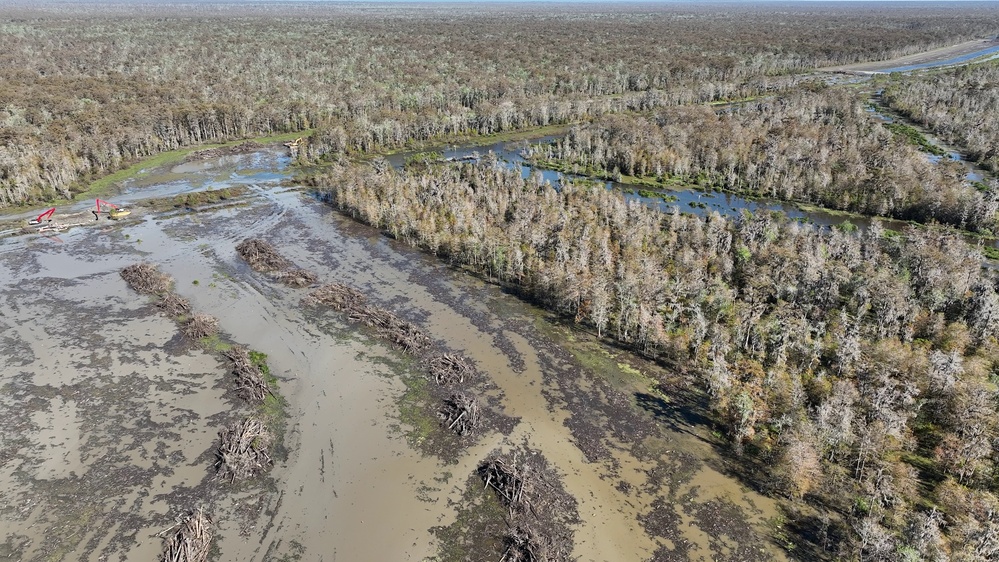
(819, 147)
(959, 105)
(85, 89)
(860, 369)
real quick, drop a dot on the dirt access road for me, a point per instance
(109, 417)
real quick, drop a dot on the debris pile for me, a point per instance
(250, 383)
(460, 412)
(337, 296)
(449, 368)
(173, 304)
(192, 540)
(145, 279)
(509, 480)
(522, 544)
(264, 257)
(201, 326)
(404, 334)
(261, 255)
(541, 512)
(242, 452)
(297, 278)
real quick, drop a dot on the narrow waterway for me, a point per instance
(684, 200)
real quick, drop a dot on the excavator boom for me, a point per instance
(46, 216)
(113, 211)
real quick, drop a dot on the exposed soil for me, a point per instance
(112, 417)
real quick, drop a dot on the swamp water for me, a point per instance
(110, 417)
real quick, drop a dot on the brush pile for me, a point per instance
(192, 540)
(337, 296)
(522, 544)
(404, 334)
(449, 369)
(344, 298)
(218, 152)
(460, 412)
(173, 304)
(242, 452)
(250, 383)
(297, 278)
(145, 279)
(541, 512)
(262, 256)
(510, 480)
(201, 326)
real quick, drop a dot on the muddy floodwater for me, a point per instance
(110, 417)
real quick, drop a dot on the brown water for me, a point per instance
(352, 486)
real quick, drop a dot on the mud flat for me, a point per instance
(110, 418)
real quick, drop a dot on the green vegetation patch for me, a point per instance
(914, 137)
(476, 534)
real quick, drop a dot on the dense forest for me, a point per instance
(859, 369)
(822, 148)
(86, 88)
(960, 105)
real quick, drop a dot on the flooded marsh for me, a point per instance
(112, 416)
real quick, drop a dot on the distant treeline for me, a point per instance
(84, 90)
(860, 370)
(820, 148)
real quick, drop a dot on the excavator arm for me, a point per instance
(113, 211)
(46, 216)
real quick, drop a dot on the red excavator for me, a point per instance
(44, 217)
(114, 211)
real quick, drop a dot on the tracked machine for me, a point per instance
(110, 209)
(43, 218)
